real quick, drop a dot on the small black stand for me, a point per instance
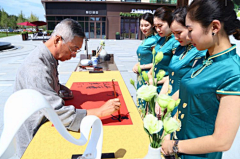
(86, 48)
(170, 157)
(104, 155)
(93, 53)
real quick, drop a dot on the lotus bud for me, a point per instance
(145, 76)
(160, 75)
(171, 125)
(102, 43)
(171, 105)
(159, 57)
(163, 100)
(139, 69)
(153, 51)
(177, 102)
(133, 83)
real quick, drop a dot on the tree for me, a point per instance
(13, 21)
(33, 18)
(21, 18)
(4, 19)
(0, 16)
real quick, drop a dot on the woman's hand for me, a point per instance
(167, 147)
(150, 74)
(157, 110)
(151, 81)
(135, 68)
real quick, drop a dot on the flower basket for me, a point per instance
(117, 35)
(49, 32)
(24, 35)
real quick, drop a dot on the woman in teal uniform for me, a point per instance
(185, 53)
(144, 52)
(157, 36)
(166, 44)
(210, 92)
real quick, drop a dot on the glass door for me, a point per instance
(92, 30)
(129, 28)
(95, 27)
(98, 30)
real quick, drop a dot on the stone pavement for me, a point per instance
(124, 55)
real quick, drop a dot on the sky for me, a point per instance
(14, 7)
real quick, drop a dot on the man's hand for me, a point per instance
(109, 107)
(106, 109)
(65, 93)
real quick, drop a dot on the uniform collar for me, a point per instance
(222, 55)
(149, 36)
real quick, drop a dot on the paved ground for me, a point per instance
(125, 57)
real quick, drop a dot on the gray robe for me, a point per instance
(39, 72)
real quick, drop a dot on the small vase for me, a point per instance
(103, 53)
(169, 157)
(153, 153)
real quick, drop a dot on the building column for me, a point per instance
(181, 3)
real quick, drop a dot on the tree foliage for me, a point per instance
(0, 15)
(122, 14)
(21, 18)
(4, 19)
(12, 21)
(33, 18)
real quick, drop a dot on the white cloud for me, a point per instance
(26, 6)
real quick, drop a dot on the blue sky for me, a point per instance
(14, 7)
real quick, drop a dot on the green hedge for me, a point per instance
(10, 33)
(3, 34)
(134, 15)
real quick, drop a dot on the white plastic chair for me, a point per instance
(24, 103)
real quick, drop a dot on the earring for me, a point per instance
(213, 34)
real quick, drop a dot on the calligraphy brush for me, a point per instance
(115, 95)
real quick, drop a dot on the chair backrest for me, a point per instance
(24, 103)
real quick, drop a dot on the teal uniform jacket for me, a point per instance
(144, 53)
(215, 75)
(158, 36)
(167, 45)
(180, 64)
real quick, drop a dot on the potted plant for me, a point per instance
(24, 35)
(49, 32)
(117, 35)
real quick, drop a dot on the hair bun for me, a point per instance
(236, 34)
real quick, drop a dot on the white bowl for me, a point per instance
(86, 62)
